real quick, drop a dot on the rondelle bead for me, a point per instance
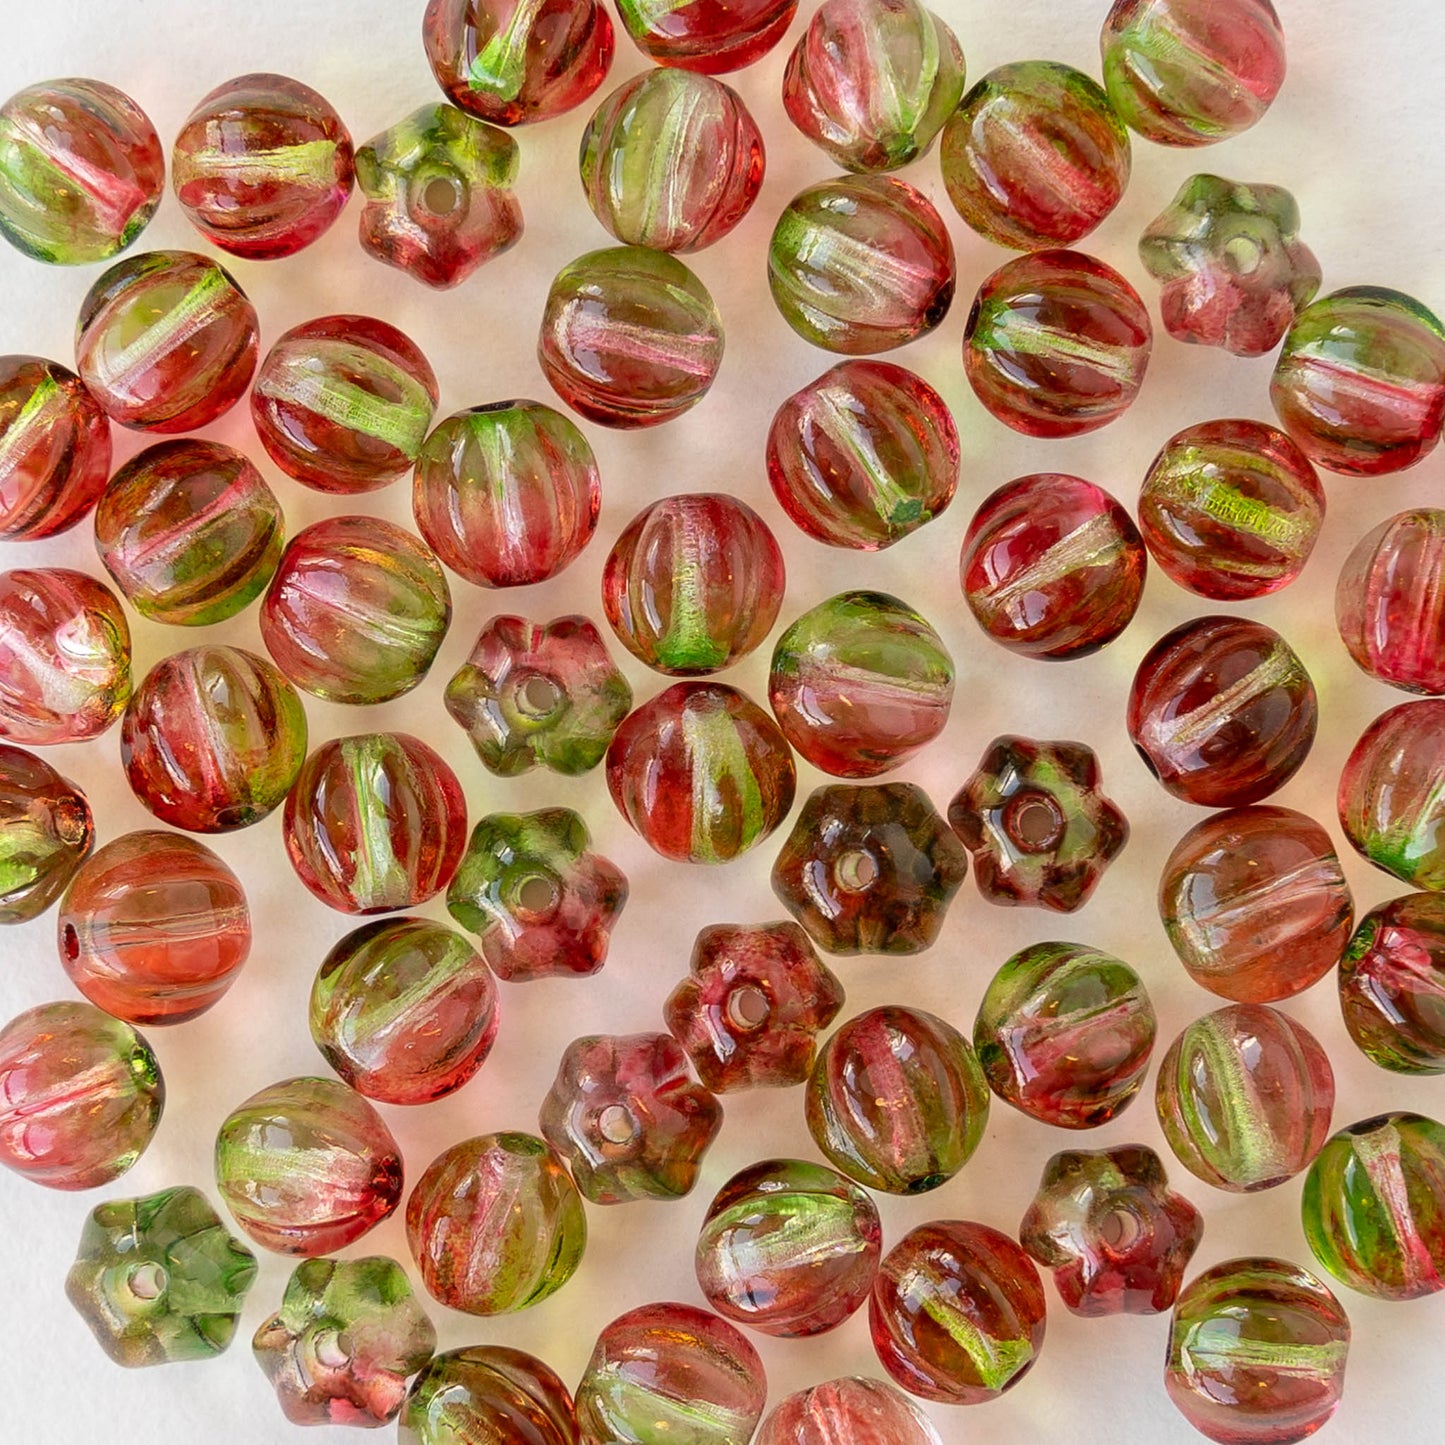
(852, 1411)
(698, 35)
(307, 1166)
(46, 831)
(1222, 711)
(153, 928)
(487, 1395)
(166, 341)
(1391, 979)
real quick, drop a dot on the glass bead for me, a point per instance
(1257, 1352)
(1244, 1097)
(1392, 979)
(1256, 904)
(166, 341)
(1035, 157)
(861, 264)
(860, 683)
(404, 1010)
(348, 1336)
(1036, 823)
(262, 166)
(64, 656)
(1113, 1233)
(487, 1395)
(46, 831)
(630, 337)
(495, 1224)
(154, 928)
(375, 822)
(1222, 711)
(788, 1248)
(342, 404)
(1231, 510)
(693, 583)
(864, 455)
(1360, 382)
(957, 1313)
(1064, 1033)
(671, 160)
(1056, 344)
(508, 494)
(1192, 72)
(81, 1095)
(190, 532)
(307, 1167)
(869, 868)
(701, 772)
(1232, 268)
(512, 63)
(541, 902)
(54, 447)
(852, 1411)
(1052, 567)
(213, 739)
(81, 171)
(626, 1116)
(160, 1278)
(439, 197)
(671, 1372)
(356, 611)
(705, 36)
(897, 1100)
(871, 82)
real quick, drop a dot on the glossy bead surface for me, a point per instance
(693, 583)
(698, 35)
(870, 868)
(861, 264)
(375, 822)
(439, 197)
(160, 1278)
(190, 532)
(343, 403)
(54, 449)
(1056, 344)
(671, 160)
(166, 341)
(957, 1313)
(1231, 510)
(495, 1224)
(1035, 156)
(1360, 382)
(487, 1395)
(1244, 1097)
(46, 830)
(153, 928)
(864, 455)
(81, 171)
(629, 1121)
(853, 1411)
(1392, 977)
(1222, 711)
(262, 166)
(897, 1100)
(404, 1010)
(1115, 1236)
(630, 337)
(356, 611)
(1256, 904)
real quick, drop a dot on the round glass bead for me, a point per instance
(1052, 567)
(671, 160)
(153, 928)
(166, 341)
(630, 337)
(46, 831)
(343, 403)
(356, 611)
(1222, 711)
(701, 35)
(1056, 344)
(852, 1411)
(81, 1095)
(81, 171)
(1392, 981)
(190, 532)
(487, 1395)
(495, 1224)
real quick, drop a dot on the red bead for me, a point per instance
(46, 831)
(1391, 980)
(706, 35)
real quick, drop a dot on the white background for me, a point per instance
(1354, 136)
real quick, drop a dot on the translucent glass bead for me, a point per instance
(46, 830)
(1392, 978)
(847, 1412)
(698, 35)
(487, 1395)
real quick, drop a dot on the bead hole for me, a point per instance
(616, 1124)
(537, 894)
(147, 1282)
(748, 1007)
(856, 871)
(538, 696)
(333, 1349)
(1034, 822)
(441, 196)
(70, 942)
(1120, 1230)
(1243, 254)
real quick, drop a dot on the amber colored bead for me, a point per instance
(153, 928)
(1391, 980)
(46, 831)
(487, 1395)
(698, 35)
(852, 1411)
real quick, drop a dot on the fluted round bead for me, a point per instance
(487, 1395)
(697, 35)
(46, 831)
(847, 1412)
(1391, 980)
